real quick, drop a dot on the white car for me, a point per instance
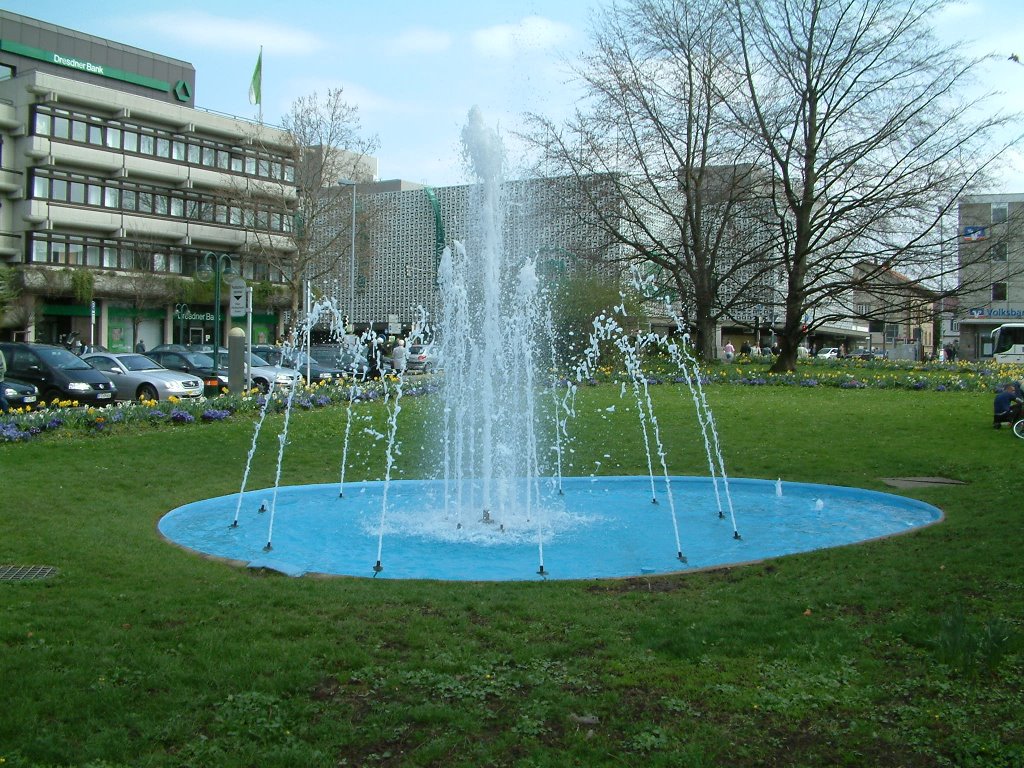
(828, 353)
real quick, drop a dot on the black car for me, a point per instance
(195, 363)
(19, 394)
(59, 375)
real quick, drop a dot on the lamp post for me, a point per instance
(352, 255)
(180, 310)
(213, 264)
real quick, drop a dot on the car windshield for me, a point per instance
(61, 358)
(198, 360)
(257, 360)
(139, 363)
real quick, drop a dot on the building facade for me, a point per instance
(991, 263)
(116, 192)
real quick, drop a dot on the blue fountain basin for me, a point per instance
(599, 527)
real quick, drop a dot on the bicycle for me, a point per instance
(1018, 428)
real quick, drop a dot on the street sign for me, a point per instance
(237, 307)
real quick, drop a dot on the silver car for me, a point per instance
(137, 377)
(263, 374)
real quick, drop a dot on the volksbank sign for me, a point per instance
(999, 313)
(180, 89)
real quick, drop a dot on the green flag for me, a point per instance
(256, 86)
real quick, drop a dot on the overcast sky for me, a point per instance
(415, 69)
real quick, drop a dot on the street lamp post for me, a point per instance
(180, 310)
(352, 255)
(214, 265)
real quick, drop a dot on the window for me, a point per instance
(998, 291)
(999, 212)
(96, 135)
(43, 125)
(61, 128)
(131, 141)
(78, 193)
(78, 131)
(114, 138)
(40, 188)
(998, 252)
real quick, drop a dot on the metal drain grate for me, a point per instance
(26, 572)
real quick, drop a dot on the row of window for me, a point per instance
(82, 128)
(129, 197)
(83, 251)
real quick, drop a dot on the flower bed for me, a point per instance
(68, 417)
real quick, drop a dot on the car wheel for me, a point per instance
(262, 385)
(53, 395)
(147, 392)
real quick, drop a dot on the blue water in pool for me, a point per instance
(601, 527)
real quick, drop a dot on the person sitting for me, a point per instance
(1006, 407)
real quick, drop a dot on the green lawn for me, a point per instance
(900, 652)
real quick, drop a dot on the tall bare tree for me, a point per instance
(684, 196)
(327, 147)
(870, 128)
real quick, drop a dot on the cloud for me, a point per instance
(420, 40)
(533, 33)
(233, 34)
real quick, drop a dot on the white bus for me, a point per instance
(1008, 343)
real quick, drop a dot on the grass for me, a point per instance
(899, 652)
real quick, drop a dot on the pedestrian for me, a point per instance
(140, 347)
(730, 350)
(399, 357)
(5, 407)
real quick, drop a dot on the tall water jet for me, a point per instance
(490, 319)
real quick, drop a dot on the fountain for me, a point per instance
(499, 505)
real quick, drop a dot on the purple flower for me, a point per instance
(182, 417)
(214, 414)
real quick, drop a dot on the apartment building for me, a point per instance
(116, 193)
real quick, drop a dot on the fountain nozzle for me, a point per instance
(377, 568)
(487, 517)
(263, 508)
(681, 557)
(268, 547)
(736, 535)
(234, 524)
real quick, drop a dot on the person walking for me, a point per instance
(399, 357)
(140, 347)
(730, 351)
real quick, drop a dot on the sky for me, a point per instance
(415, 69)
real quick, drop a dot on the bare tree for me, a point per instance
(327, 147)
(678, 192)
(871, 129)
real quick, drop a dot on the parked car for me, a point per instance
(828, 353)
(298, 360)
(194, 364)
(19, 394)
(421, 358)
(58, 373)
(351, 361)
(264, 375)
(139, 377)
